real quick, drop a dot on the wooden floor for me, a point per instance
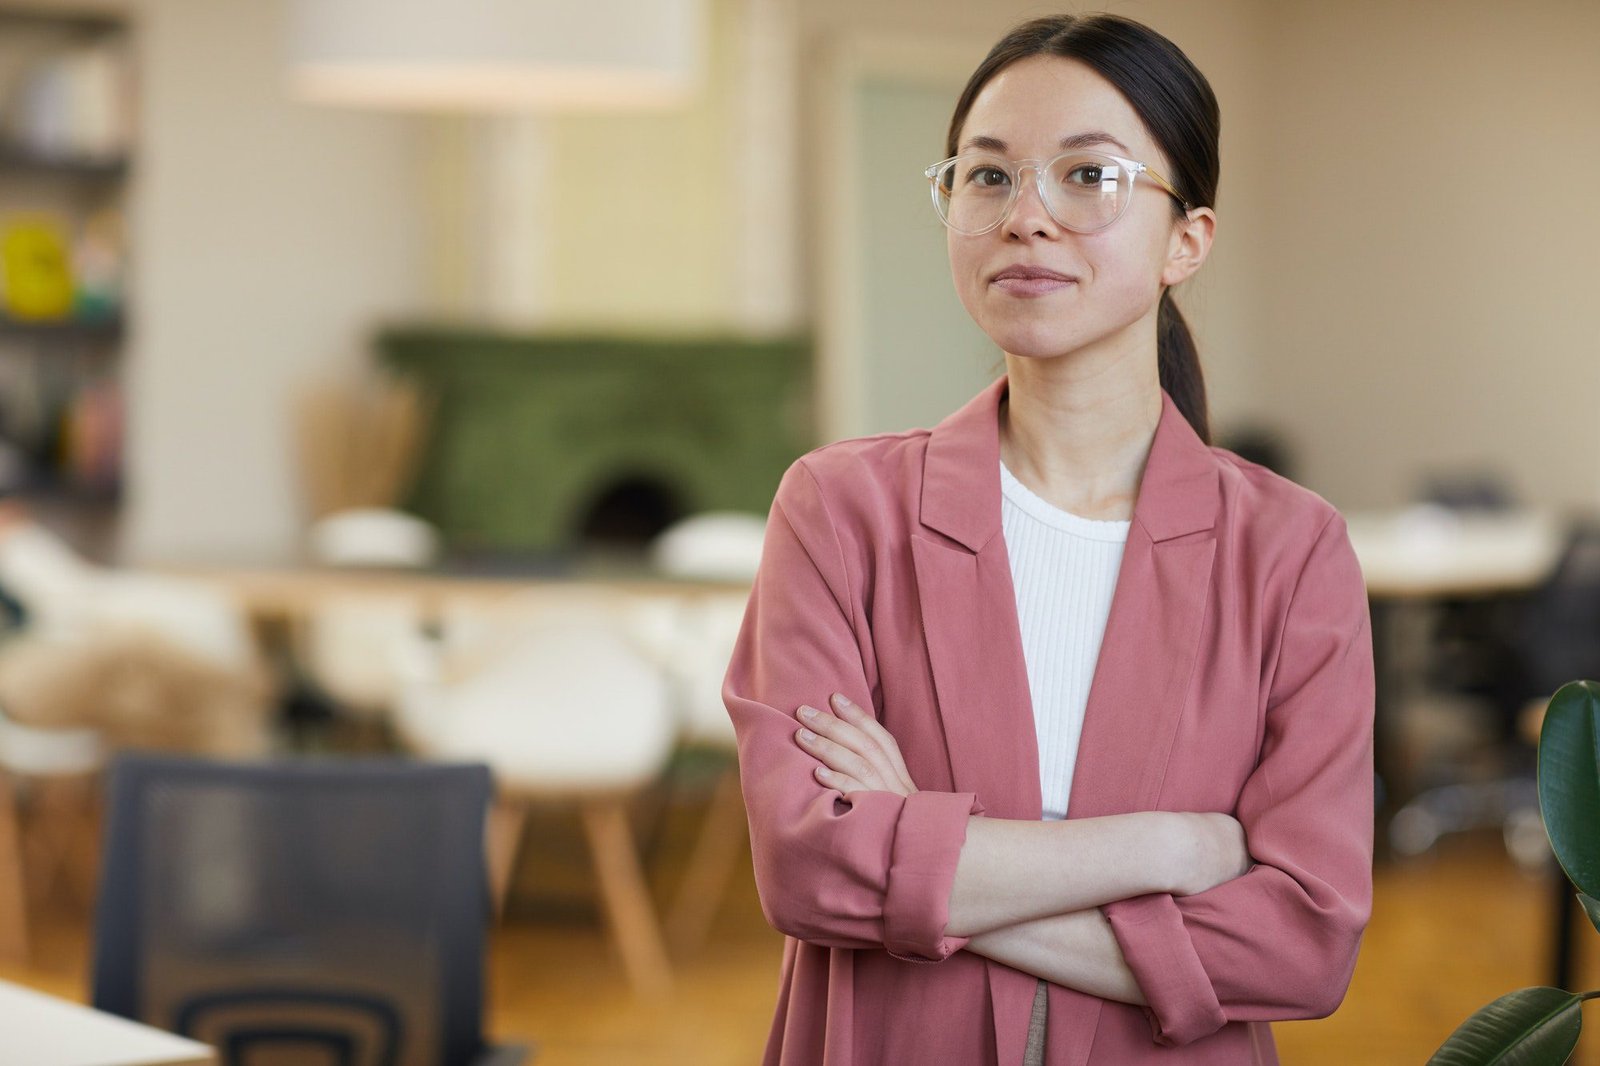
(1448, 934)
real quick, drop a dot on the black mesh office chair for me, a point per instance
(1533, 646)
(308, 912)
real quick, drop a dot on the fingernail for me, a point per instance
(822, 771)
(839, 700)
(808, 712)
(807, 735)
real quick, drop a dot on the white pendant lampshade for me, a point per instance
(496, 55)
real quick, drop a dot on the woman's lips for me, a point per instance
(1031, 286)
(1030, 279)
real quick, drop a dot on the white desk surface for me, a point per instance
(1427, 551)
(41, 1030)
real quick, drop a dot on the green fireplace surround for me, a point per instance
(546, 444)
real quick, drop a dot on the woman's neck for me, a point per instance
(1079, 435)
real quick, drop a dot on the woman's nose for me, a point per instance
(1029, 216)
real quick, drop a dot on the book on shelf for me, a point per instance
(74, 105)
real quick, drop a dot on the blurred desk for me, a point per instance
(1413, 558)
(40, 1030)
(1427, 552)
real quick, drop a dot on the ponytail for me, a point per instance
(1178, 364)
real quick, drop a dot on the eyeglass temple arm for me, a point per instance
(1168, 186)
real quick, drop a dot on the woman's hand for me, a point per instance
(856, 752)
(1209, 849)
(1200, 850)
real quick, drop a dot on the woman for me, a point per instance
(977, 855)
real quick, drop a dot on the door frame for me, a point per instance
(840, 384)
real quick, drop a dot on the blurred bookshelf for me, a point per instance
(15, 159)
(67, 138)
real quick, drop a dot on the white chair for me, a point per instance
(193, 615)
(353, 648)
(561, 700)
(711, 546)
(709, 628)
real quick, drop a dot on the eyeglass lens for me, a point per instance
(1084, 191)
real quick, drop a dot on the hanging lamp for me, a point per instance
(496, 55)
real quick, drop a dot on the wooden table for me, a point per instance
(276, 595)
(41, 1030)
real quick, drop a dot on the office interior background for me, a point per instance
(315, 403)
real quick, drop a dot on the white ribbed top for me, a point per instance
(1064, 569)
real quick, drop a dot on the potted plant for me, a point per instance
(1537, 1026)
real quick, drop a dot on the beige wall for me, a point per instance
(1430, 264)
(267, 236)
(644, 231)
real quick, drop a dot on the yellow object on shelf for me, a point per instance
(35, 268)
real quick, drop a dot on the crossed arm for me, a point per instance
(1028, 893)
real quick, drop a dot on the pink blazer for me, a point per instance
(1235, 675)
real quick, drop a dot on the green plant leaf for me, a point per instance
(1569, 781)
(1591, 907)
(1528, 1027)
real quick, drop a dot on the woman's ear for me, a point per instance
(1189, 246)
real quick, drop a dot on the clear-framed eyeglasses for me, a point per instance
(1083, 191)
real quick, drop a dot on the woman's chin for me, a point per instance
(1035, 344)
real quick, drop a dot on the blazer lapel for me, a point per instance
(969, 614)
(969, 620)
(1153, 632)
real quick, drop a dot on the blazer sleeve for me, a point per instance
(868, 870)
(1280, 941)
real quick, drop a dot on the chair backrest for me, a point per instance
(303, 911)
(1469, 490)
(354, 647)
(202, 620)
(711, 546)
(1558, 636)
(710, 639)
(563, 699)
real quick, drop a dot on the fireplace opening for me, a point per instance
(628, 514)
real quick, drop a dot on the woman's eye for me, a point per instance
(986, 177)
(1084, 174)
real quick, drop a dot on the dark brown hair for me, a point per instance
(1177, 106)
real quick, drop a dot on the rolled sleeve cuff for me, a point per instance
(1182, 1004)
(922, 870)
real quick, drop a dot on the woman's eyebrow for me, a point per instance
(1076, 140)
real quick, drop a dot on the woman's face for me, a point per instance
(1116, 273)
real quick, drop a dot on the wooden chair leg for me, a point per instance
(53, 834)
(91, 828)
(13, 886)
(627, 900)
(504, 835)
(723, 836)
